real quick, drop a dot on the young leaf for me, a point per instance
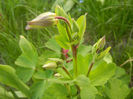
(108, 58)
(82, 25)
(104, 53)
(60, 12)
(75, 27)
(9, 77)
(102, 73)
(87, 90)
(68, 5)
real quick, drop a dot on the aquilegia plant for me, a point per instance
(67, 69)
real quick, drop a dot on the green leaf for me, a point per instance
(37, 89)
(116, 89)
(82, 25)
(108, 58)
(87, 90)
(29, 55)
(27, 60)
(75, 27)
(52, 44)
(9, 77)
(60, 12)
(83, 49)
(41, 74)
(68, 5)
(83, 63)
(104, 53)
(119, 72)
(24, 73)
(62, 42)
(99, 45)
(45, 55)
(55, 91)
(5, 94)
(101, 73)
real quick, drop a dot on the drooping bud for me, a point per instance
(43, 20)
(50, 65)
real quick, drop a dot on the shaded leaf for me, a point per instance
(9, 77)
(37, 89)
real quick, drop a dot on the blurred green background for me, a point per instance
(112, 18)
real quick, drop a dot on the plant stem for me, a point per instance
(69, 90)
(74, 51)
(64, 19)
(78, 92)
(67, 72)
(90, 67)
(73, 47)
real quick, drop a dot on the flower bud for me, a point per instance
(57, 75)
(99, 44)
(50, 65)
(43, 20)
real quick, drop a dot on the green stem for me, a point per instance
(90, 67)
(78, 92)
(69, 90)
(67, 72)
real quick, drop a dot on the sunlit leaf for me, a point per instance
(87, 90)
(102, 73)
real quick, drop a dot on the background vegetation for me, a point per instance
(112, 18)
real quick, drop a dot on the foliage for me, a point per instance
(79, 71)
